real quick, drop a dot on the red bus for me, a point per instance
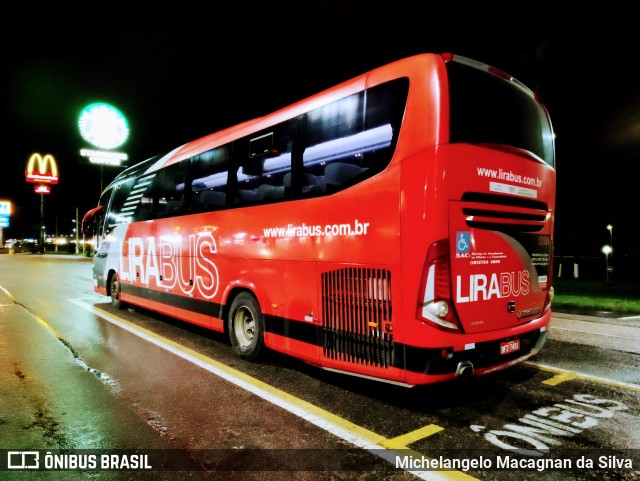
(398, 226)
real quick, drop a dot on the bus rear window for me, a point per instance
(488, 109)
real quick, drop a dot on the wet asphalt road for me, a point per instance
(77, 374)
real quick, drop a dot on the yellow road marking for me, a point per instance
(579, 375)
(558, 378)
(340, 427)
(401, 442)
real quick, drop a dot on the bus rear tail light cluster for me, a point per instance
(437, 303)
(550, 291)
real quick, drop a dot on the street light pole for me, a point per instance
(606, 250)
(75, 231)
(610, 229)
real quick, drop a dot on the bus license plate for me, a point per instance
(508, 347)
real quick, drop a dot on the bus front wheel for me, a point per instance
(114, 292)
(246, 326)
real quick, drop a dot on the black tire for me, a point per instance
(115, 291)
(246, 326)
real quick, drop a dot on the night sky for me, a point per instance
(180, 71)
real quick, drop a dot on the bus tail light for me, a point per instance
(436, 306)
(550, 291)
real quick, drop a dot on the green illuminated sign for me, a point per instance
(103, 126)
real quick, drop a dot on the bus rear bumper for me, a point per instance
(426, 365)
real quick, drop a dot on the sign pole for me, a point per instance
(41, 223)
(43, 171)
(5, 212)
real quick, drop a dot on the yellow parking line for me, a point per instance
(584, 376)
(339, 427)
(405, 440)
(558, 378)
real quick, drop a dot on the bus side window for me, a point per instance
(330, 156)
(263, 161)
(122, 207)
(339, 173)
(206, 187)
(168, 191)
(353, 138)
(211, 200)
(310, 184)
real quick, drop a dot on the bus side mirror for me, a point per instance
(89, 219)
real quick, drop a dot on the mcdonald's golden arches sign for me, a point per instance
(42, 170)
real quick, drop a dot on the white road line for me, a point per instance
(588, 332)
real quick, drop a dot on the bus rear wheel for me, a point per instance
(114, 292)
(246, 326)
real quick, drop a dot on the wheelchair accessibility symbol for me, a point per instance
(463, 242)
